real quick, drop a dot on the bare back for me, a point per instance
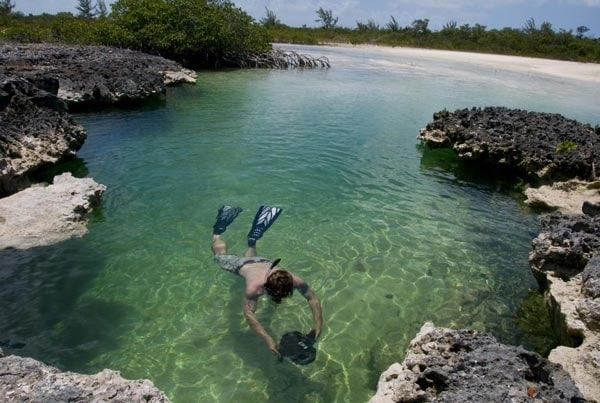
(255, 275)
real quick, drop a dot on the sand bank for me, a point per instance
(558, 68)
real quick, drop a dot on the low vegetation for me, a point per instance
(566, 147)
(197, 33)
(214, 33)
(530, 40)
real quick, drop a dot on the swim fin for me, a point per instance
(225, 216)
(265, 217)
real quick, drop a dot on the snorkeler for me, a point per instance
(263, 276)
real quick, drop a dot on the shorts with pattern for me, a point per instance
(233, 263)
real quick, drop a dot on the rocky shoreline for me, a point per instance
(539, 147)
(444, 364)
(28, 380)
(449, 365)
(39, 84)
(93, 76)
(566, 262)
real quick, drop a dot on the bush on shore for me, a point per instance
(197, 33)
(212, 33)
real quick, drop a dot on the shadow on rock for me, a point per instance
(46, 173)
(445, 165)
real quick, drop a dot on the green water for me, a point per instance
(388, 234)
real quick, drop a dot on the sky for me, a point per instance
(565, 14)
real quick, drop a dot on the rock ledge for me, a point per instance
(28, 380)
(44, 215)
(538, 146)
(445, 365)
(565, 260)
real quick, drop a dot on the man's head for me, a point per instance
(279, 284)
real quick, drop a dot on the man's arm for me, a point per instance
(315, 306)
(249, 313)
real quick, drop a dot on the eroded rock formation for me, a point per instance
(445, 365)
(570, 198)
(39, 82)
(35, 130)
(44, 215)
(538, 146)
(566, 262)
(92, 76)
(28, 380)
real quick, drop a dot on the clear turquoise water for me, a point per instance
(388, 234)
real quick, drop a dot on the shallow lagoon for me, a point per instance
(389, 234)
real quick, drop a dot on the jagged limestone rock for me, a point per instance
(28, 380)
(43, 215)
(93, 76)
(446, 365)
(35, 131)
(565, 260)
(568, 197)
(535, 145)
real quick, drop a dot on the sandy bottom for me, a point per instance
(558, 68)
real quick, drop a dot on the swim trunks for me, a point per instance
(233, 263)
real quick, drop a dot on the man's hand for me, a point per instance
(249, 308)
(314, 334)
(273, 347)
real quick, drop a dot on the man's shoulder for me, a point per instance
(299, 281)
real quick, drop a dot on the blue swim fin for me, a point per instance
(225, 216)
(265, 217)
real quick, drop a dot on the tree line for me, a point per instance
(208, 33)
(529, 40)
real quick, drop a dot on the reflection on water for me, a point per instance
(389, 234)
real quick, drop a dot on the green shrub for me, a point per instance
(195, 32)
(566, 147)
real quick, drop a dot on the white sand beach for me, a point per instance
(559, 68)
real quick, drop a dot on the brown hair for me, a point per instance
(280, 284)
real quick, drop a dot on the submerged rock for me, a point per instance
(28, 380)
(565, 260)
(445, 365)
(539, 146)
(43, 215)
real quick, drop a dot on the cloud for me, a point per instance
(457, 4)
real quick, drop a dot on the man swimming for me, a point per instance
(262, 275)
